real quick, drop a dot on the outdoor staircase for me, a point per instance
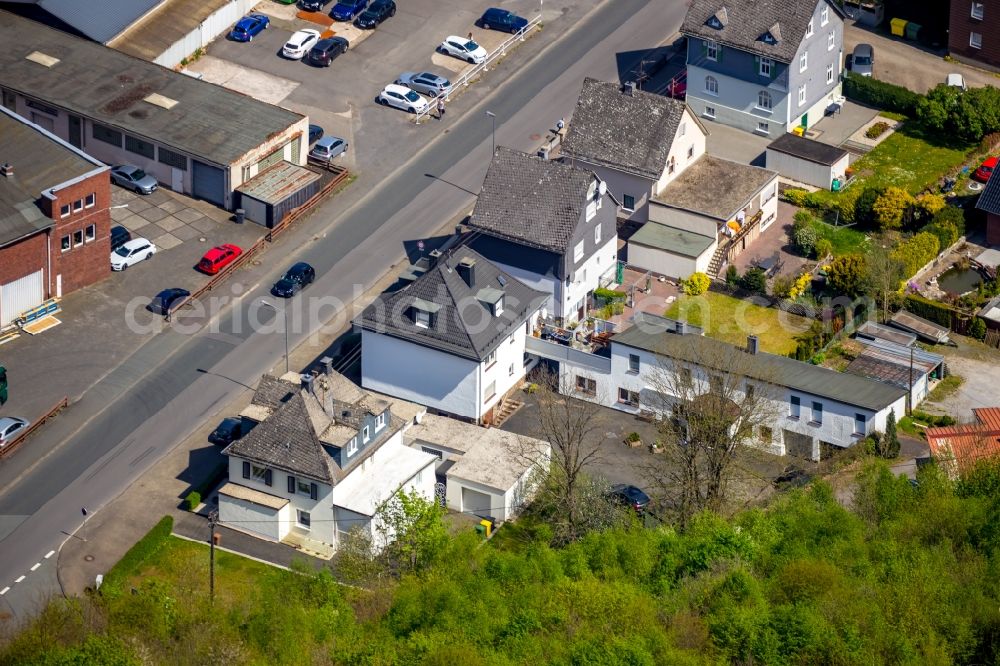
(506, 409)
(716, 263)
(856, 147)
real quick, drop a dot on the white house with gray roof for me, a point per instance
(635, 141)
(453, 340)
(549, 224)
(764, 66)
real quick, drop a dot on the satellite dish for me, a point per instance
(602, 187)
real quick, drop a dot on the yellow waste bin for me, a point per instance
(899, 27)
(487, 527)
(798, 131)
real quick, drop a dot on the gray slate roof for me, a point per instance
(748, 20)
(101, 21)
(211, 122)
(715, 187)
(459, 327)
(41, 162)
(989, 199)
(807, 149)
(531, 201)
(630, 133)
(780, 370)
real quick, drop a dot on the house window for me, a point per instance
(824, 16)
(977, 11)
(628, 202)
(690, 151)
(831, 40)
(510, 370)
(422, 319)
(586, 385)
(770, 194)
(89, 200)
(352, 447)
(795, 407)
(633, 364)
(491, 358)
(90, 233)
(64, 243)
(626, 397)
(802, 94)
(711, 86)
(64, 210)
(860, 425)
(303, 487)
(366, 434)
(817, 413)
(804, 61)
(433, 452)
(975, 40)
(710, 112)
(763, 128)
(671, 165)
(498, 307)
(379, 422)
(682, 129)
(578, 252)
(597, 234)
(712, 51)
(829, 73)
(303, 518)
(138, 146)
(258, 473)
(78, 205)
(107, 135)
(591, 210)
(766, 434)
(173, 159)
(809, 29)
(490, 392)
(764, 100)
(78, 237)
(715, 384)
(765, 66)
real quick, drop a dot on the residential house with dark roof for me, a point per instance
(454, 339)
(313, 466)
(811, 408)
(55, 219)
(764, 66)
(635, 141)
(958, 448)
(549, 224)
(989, 203)
(704, 218)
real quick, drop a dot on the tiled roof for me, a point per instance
(745, 22)
(630, 132)
(989, 417)
(715, 187)
(459, 327)
(532, 201)
(962, 446)
(989, 199)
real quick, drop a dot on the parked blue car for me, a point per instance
(248, 26)
(346, 10)
(495, 18)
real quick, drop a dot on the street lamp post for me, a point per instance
(267, 304)
(493, 117)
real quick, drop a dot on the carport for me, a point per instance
(268, 197)
(807, 161)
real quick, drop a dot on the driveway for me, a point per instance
(908, 64)
(977, 364)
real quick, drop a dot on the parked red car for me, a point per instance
(982, 174)
(677, 87)
(218, 258)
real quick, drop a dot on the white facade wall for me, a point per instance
(683, 219)
(804, 171)
(505, 373)
(669, 264)
(423, 484)
(585, 278)
(259, 521)
(688, 145)
(202, 35)
(769, 206)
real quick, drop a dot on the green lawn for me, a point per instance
(911, 158)
(845, 240)
(731, 319)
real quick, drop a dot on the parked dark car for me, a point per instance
(326, 50)
(377, 12)
(119, 236)
(629, 496)
(167, 300)
(346, 10)
(315, 134)
(792, 477)
(495, 18)
(297, 278)
(227, 432)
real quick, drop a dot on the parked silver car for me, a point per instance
(428, 83)
(11, 427)
(328, 148)
(863, 60)
(133, 178)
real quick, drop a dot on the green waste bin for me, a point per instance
(836, 185)
(912, 30)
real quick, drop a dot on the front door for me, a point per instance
(75, 132)
(805, 121)
(176, 179)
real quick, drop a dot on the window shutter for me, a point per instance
(718, 52)
(704, 49)
(291, 484)
(267, 477)
(246, 470)
(756, 64)
(313, 491)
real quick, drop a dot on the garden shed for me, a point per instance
(268, 197)
(807, 161)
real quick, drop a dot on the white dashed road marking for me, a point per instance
(4, 591)
(37, 564)
(19, 580)
(50, 554)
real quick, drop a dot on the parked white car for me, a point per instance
(11, 427)
(300, 43)
(132, 252)
(402, 97)
(463, 48)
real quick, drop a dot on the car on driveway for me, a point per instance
(315, 134)
(326, 51)
(133, 178)
(402, 97)
(427, 83)
(119, 236)
(300, 43)
(167, 301)
(464, 49)
(132, 252)
(218, 258)
(378, 11)
(328, 148)
(985, 170)
(297, 278)
(956, 80)
(629, 496)
(495, 18)
(863, 60)
(249, 26)
(230, 430)
(11, 427)
(346, 10)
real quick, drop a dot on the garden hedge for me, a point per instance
(880, 94)
(939, 313)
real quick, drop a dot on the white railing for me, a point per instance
(465, 79)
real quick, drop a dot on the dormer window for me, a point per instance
(718, 20)
(773, 35)
(492, 300)
(422, 319)
(366, 434)
(424, 313)
(379, 422)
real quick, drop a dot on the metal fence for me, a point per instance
(12, 446)
(466, 78)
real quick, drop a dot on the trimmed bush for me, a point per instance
(891, 207)
(192, 501)
(877, 130)
(978, 329)
(754, 281)
(796, 197)
(939, 313)
(880, 94)
(916, 252)
(136, 555)
(696, 285)
(609, 295)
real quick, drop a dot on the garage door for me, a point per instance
(209, 183)
(800, 446)
(20, 295)
(476, 502)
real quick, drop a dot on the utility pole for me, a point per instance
(909, 395)
(213, 520)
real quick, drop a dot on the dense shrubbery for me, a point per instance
(915, 252)
(880, 94)
(696, 285)
(939, 313)
(971, 114)
(877, 130)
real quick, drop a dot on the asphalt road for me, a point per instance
(168, 392)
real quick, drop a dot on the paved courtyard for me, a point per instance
(167, 218)
(772, 247)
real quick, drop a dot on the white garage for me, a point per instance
(20, 295)
(807, 161)
(248, 510)
(478, 503)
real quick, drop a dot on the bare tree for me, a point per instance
(883, 274)
(715, 402)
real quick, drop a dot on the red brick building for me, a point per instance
(55, 218)
(989, 203)
(974, 32)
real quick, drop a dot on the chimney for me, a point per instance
(327, 364)
(434, 256)
(752, 344)
(467, 270)
(629, 88)
(7, 170)
(680, 328)
(308, 383)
